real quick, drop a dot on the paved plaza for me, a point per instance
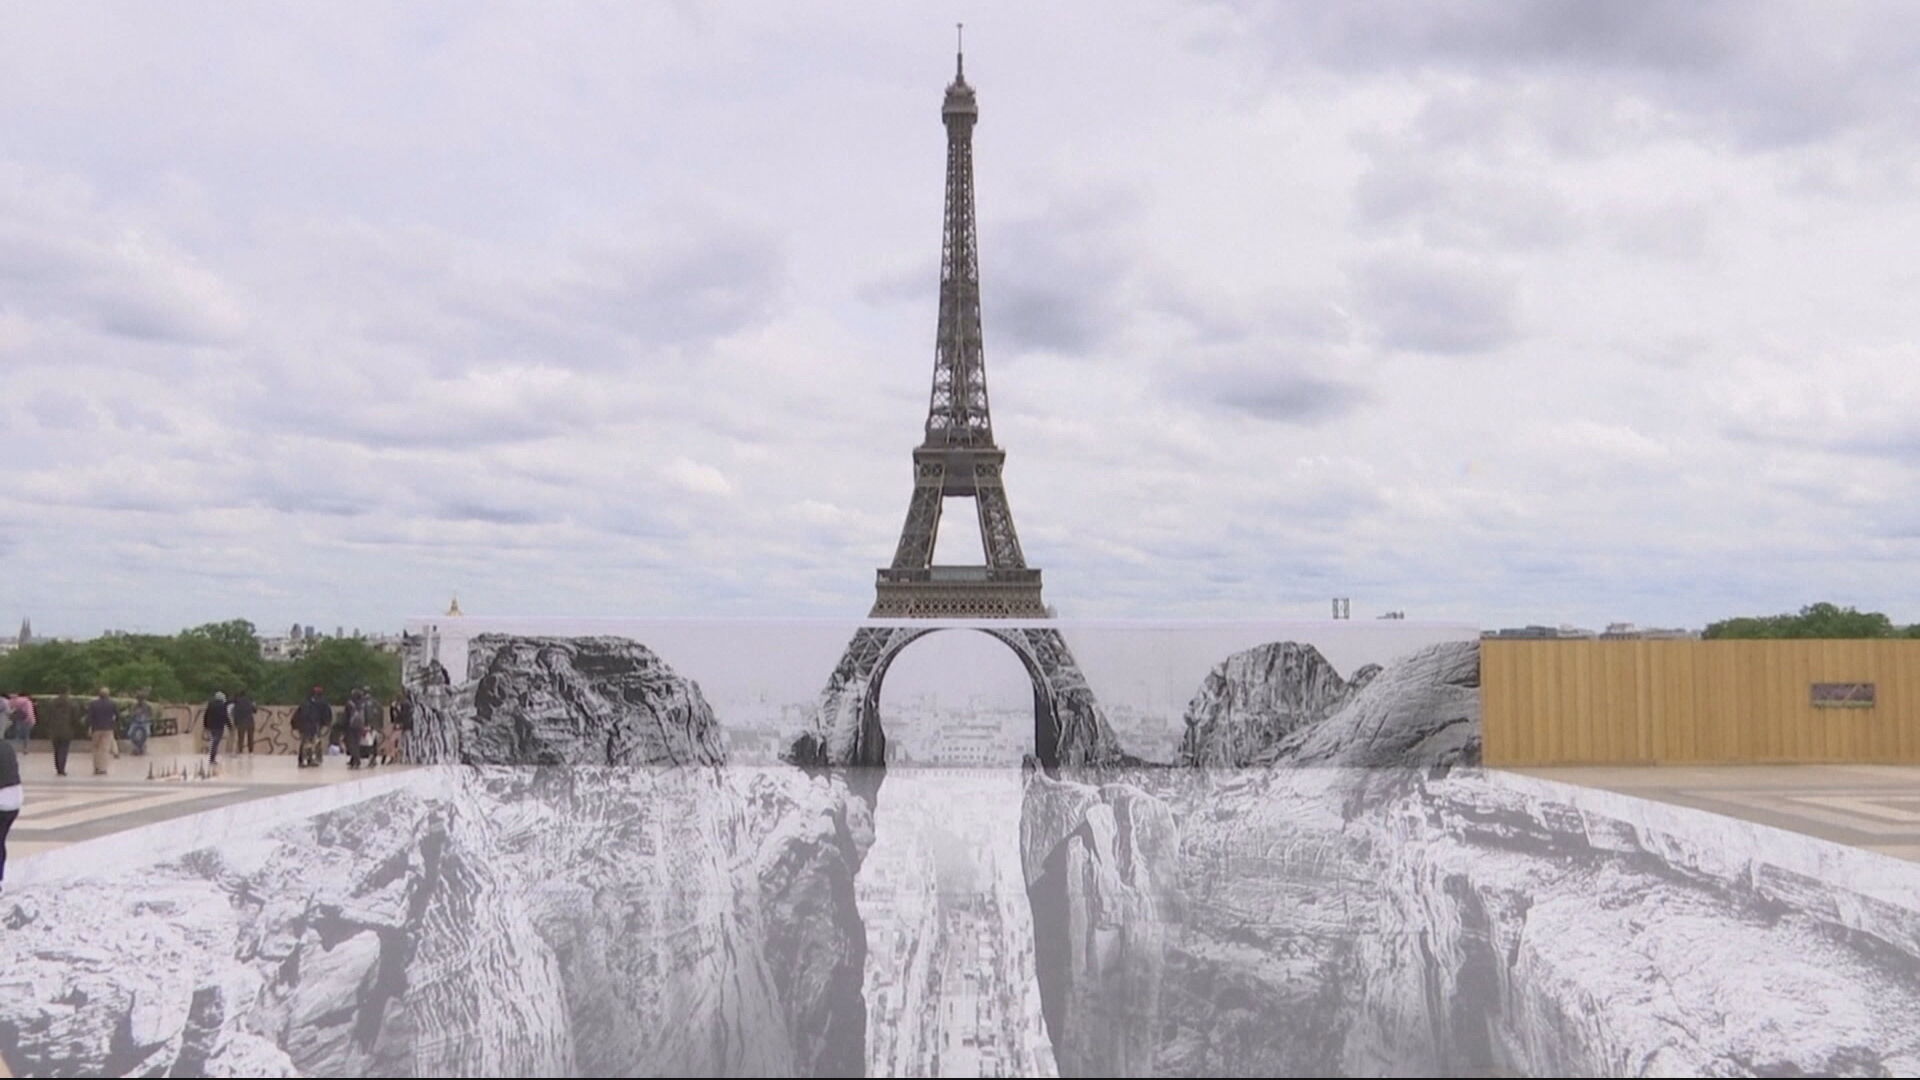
(1876, 807)
(62, 810)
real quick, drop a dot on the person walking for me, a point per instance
(375, 738)
(103, 716)
(399, 723)
(217, 717)
(140, 724)
(12, 796)
(337, 728)
(19, 710)
(356, 726)
(243, 720)
(310, 721)
(63, 719)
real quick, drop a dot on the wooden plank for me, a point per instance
(1529, 725)
(1650, 731)
(1681, 714)
(1606, 728)
(1496, 706)
(1578, 661)
(1786, 663)
(1709, 696)
(1547, 703)
(1901, 711)
(1835, 663)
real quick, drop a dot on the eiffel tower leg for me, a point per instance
(997, 536)
(846, 724)
(1070, 727)
(1046, 729)
(922, 527)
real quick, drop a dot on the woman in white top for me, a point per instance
(12, 794)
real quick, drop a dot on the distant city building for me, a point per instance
(971, 736)
(26, 633)
(1626, 631)
(283, 648)
(387, 643)
(1541, 633)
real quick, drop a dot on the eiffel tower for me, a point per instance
(958, 458)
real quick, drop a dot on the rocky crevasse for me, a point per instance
(587, 915)
(1369, 903)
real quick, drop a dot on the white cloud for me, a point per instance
(1546, 312)
(697, 478)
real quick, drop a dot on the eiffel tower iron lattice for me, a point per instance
(958, 457)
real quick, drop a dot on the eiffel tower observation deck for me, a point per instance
(959, 458)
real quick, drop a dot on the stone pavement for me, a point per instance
(80, 806)
(1876, 807)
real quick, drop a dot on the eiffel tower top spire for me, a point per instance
(957, 414)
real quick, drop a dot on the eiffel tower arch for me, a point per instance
(1068, 727)
(958, 458)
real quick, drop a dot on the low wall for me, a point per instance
(273, 724)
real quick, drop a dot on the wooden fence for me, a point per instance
(1690, 702)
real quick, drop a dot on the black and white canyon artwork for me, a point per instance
(702, 848)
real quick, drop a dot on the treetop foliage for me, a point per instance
(1813, 621)
(191, 665)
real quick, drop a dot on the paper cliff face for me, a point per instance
(1261, 848)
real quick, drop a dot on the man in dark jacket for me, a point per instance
(63, 720)
(310, 721)
(218, 716)
(103, 716)
(243, 711)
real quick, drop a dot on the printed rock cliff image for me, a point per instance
(1366, 902)
(560, 908)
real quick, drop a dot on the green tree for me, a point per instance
(191, 665)
(236, 636)
(1745, 626)
(217, 656)
(340, 664)
(50, 667)
(152, 674)
(1821, 620)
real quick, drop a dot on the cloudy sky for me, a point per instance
(1549, 312)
